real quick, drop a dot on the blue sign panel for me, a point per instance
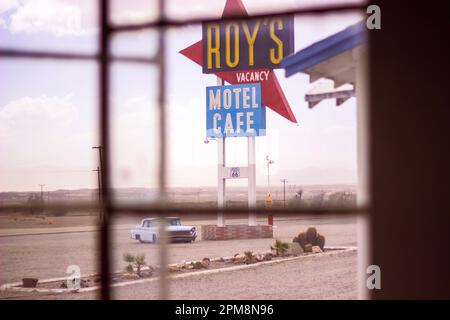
(235, 111)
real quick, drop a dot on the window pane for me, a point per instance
(134, 133)
(213, 9)
(133, 11)
(54, 25)
(48, 120)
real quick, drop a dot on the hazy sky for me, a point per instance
(48, 109)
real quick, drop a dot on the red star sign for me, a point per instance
(272, 95)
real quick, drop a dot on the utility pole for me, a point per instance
(42, 192)
(100, 156)
(99, 171)
(99, 183)
(269, 162)
(284, 192)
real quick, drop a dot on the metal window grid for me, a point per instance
(160, 208)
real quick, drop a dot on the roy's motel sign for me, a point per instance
(247, 51)
(235, 111)
(247, 44)
(244, 54)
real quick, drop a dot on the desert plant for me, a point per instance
(342, 199)
(280, 247)
(310, 236)
(249, 257)
(139, 263)
(128, 257)
(134, 262)
(317, 200)
(198, 265)
(297, 201)
(267, 256)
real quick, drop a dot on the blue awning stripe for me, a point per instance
(327, 48)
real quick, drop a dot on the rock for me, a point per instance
(146, 273)
(238, 258)
(316, 249)
(197, 265)
(84, 283)
(115, 279)
(320, 241)
(206, 262)
(29, 282)
(130, 276)
(308, 247)
(268, 256)
(311, 235)
(295, 249)
(174, 268)
(259, 257)
(301, 239)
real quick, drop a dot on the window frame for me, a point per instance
(106, 205)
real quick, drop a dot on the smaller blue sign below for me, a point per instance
(235, 111)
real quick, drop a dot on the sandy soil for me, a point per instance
(49, 255)
(21, 221)
(320, 277)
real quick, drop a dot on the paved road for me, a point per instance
(49, 255)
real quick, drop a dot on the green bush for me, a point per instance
(134, 263)
(280, 247)
(310, 237)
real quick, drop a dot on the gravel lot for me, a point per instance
(48, 255)
(319, 277)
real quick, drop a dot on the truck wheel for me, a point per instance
(154, 238)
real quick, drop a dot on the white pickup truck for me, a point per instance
(148, 230)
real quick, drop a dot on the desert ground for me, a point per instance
(30, 247)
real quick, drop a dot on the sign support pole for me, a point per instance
(251, 181)
(221, 181)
